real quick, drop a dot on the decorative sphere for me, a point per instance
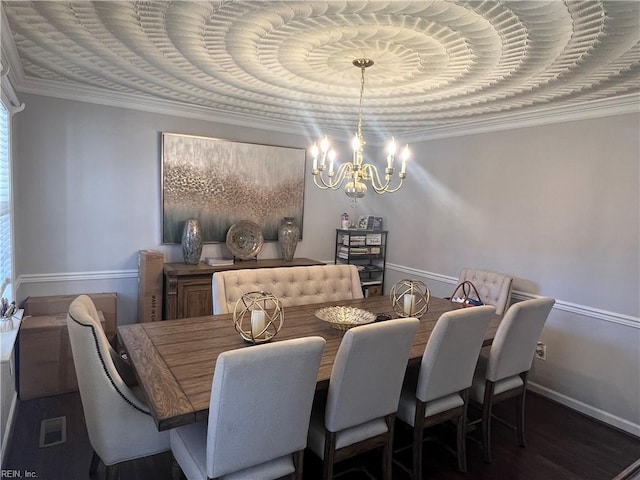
(410, 298)
(258, 316)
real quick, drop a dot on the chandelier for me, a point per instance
(356, 172)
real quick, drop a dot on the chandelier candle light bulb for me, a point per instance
(392, 154)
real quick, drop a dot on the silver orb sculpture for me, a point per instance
(258, 317)
(410, 298)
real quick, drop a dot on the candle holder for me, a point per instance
(410, 298)
(258, 317)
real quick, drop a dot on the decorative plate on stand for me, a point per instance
(245, 240)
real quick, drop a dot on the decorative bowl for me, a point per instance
(344, 318)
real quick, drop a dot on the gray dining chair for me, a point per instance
(118, 421)
(260, 405)
(494, 288)
(359, 410)
(440, 391)
(502, 373)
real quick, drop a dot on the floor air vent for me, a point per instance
(53, 431)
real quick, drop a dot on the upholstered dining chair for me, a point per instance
(502, 374)
(494, 288)
(440, 391)
(292, 285)
(119, 424)
(359, 410)
(261, 399)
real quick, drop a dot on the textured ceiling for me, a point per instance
(436, 62)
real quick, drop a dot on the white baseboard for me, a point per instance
(8, 432)
(620, 423)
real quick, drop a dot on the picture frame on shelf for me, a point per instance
(365, 222)
(377, 223)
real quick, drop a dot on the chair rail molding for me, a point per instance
(75, 276)
(584, 310)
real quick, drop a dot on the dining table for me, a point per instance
(174, 360)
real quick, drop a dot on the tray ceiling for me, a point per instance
(437, 63)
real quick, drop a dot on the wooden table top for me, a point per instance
(174, 360)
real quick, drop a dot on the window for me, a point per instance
(6, 263)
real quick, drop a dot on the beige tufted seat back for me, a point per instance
(494, 288)
(292, 285)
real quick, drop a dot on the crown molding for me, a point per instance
(619, 105)
(82, 93)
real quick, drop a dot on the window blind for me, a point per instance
(6, 271)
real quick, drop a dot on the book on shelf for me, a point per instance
(374, 239)
(218, 261)
(354, 240)
(358, 250)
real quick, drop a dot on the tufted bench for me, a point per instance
(292, 285)
(494, 288)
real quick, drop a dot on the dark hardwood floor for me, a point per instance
(562, 445)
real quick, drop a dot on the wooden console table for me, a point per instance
(187, 288)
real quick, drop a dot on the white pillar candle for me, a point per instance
(409, 303)
(257, 323)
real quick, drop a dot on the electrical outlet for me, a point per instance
(541, 351)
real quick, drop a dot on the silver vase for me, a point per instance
(288, 235)
(191, 241)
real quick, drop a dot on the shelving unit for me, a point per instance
(367, 250)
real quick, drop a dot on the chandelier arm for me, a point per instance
(342, 172)
(377, 185)
(373, 174)
(321, 187)
(390, 190)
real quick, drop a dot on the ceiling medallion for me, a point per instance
(356, 172)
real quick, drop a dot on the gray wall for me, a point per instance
(88, 197)
(556, 206)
